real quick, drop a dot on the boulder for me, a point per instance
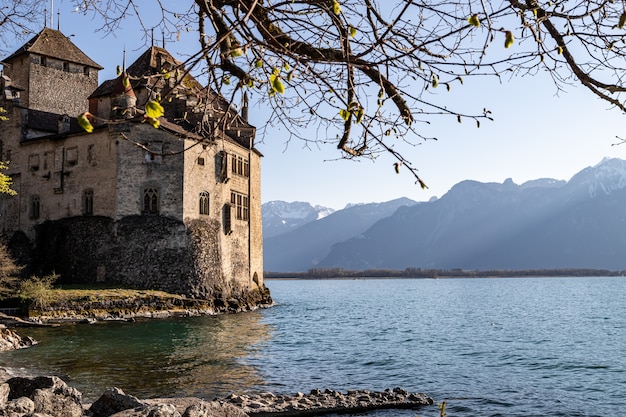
(49, 394)
(4, 394)
(9, 340)
(20, 406)
(113, 401)
(155, 410)
(53, 404)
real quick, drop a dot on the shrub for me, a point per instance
(9, 272)
(39, 290)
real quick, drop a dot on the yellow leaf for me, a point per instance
(435, 82)
(153, 121)
(508, 39)
(396, 166)
(258, 63)
(154, 110)
(360, 113)
(236, 52)
(473, 20)
(83, 121)
(119, 70)
(345, 114)
(336, 7)
(226, 79)
(126, 82)
(352, 31)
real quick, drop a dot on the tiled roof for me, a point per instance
(54, 44)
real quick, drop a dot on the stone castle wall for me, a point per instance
(151, 252)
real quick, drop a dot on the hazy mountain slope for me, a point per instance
(540, 224)
(302, 248)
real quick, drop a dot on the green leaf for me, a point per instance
(277, 84)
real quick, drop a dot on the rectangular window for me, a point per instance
(224, 172)
(33, 162)
(200, 161)
(48, 160)
(155, 152)
(90, 155)
(86, 71)
(66, 66)
(240, 166)
(239, 207)
(227, 219)
(71, 156)
(241, 204)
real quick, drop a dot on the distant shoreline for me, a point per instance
(418, 273)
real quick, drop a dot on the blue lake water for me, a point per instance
(488, 347)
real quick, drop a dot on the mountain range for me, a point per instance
(302, 247)
(544, 223)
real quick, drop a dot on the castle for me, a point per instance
(176, 207)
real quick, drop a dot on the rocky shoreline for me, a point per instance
(49, 396)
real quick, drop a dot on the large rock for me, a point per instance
(9, 340)
(49, 394)
(113, 401)
(156, 410)
(182, 407)
(20, 406)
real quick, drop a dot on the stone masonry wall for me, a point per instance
(151, 252)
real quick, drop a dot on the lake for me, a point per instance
(488, 347)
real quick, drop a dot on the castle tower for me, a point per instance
(55, 75)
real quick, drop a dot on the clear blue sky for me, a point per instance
(536, 134)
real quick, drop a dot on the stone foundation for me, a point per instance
(143, 252)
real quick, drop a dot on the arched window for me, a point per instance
(88, 202)
(150, 200)
(35, 206)
(204, 202)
